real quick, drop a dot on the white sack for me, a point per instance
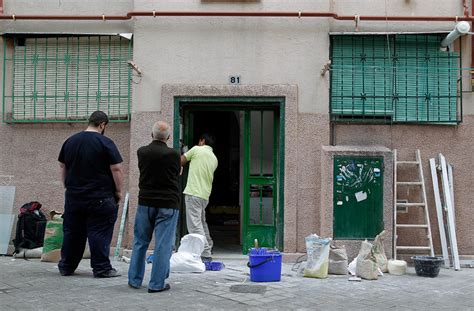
(188, 257)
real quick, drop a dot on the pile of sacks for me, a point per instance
(371, 262)
(324, 258)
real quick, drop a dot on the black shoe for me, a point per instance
(112, 273)
(133, 286)
(66, 273)
(206, 259)
(164, 289)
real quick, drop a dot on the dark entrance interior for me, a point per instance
(223, 214)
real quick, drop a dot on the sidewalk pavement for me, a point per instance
(34, 285)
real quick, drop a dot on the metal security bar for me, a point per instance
(66, 78)
(402, 78)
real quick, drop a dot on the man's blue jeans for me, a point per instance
(163, 222)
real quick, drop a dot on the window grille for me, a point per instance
(66, 78)
(399, 78)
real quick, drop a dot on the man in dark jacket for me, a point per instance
(92, 175)
(158, 209)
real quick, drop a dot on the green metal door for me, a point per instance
(358, 197)
(260, 178)
(262, 163)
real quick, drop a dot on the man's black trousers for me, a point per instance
(87, 219)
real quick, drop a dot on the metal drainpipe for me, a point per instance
(335, 16)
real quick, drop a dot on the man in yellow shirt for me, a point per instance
(202, 165)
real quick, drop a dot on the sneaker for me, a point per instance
(108, 274)
(206, 259)
(164, 289)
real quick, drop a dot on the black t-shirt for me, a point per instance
(159, 168)
(88, 156)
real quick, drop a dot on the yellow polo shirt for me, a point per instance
(202, 165)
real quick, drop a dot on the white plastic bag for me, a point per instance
(318, 257)
(352, 267)
(188, 257)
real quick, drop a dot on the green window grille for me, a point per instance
(394, 78)
(66, 78)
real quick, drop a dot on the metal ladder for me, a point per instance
(423, 204)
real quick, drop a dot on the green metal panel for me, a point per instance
(358, 197)
(397, 78)
(65, 78)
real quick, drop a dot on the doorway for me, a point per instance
(223, 212)
(246, 199)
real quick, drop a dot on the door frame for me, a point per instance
(225, 103)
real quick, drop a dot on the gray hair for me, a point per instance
(161, 131)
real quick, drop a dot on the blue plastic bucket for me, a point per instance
(265, 266)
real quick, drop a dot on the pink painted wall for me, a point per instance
(29, 152)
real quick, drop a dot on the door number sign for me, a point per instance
(234, 79)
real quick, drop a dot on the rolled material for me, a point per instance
(397, 267)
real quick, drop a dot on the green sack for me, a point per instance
(53, 240)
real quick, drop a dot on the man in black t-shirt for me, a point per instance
(92, 174)
(158, 209)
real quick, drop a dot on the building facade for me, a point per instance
(293, 98)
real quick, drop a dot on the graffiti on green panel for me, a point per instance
(358, 197)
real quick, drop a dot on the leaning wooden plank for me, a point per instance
(439, 213)
(450, 212)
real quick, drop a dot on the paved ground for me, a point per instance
(34, 285)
